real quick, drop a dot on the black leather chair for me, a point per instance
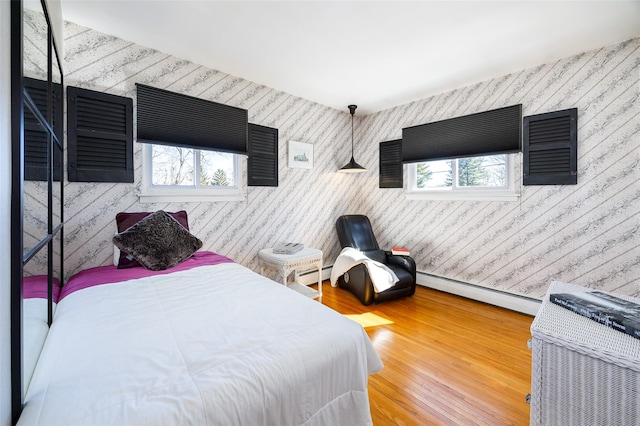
(355, 231)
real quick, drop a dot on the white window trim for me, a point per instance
(510, 193)
(150, 193)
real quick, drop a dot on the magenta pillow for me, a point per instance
(126, 220)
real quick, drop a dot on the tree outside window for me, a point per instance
(178, 166)
(473, 172)
(423, 174)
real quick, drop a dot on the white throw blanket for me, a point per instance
(382, 277)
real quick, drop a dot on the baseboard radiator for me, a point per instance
(311, 277)
(491, 296)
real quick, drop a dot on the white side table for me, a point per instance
(304, 260)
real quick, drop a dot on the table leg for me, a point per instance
(320, 281)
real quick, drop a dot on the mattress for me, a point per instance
(212, 344)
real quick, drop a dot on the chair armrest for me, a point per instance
(406, 262)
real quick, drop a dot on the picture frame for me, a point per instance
(300, 155)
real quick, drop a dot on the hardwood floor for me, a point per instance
(447, 360)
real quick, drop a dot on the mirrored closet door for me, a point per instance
(37, 220)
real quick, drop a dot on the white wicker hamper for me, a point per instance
(583, 373)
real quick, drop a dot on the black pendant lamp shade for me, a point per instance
(352, 166)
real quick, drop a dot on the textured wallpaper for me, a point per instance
(304, 206)
(587, 234)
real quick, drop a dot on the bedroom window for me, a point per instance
(488, 177)
(174, 173)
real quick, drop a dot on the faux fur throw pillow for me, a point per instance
(125, 220)
(158, 242)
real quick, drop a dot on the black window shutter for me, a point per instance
(550, 148)
(391, 164)
(263, 156)
(99, 136)
(36, 136)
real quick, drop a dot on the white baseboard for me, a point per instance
(311, 277)
(491, 296)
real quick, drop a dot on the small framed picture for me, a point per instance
(300, 155)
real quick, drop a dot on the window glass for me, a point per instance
(490, 177)
(172, 165)
(484, 172)
(178, 174)
(218, 168)
(434, 174)
(475, 172)
(178, 166)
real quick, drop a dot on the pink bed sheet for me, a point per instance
(111, 274)
(36, 287)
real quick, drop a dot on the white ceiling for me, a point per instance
(376, 54)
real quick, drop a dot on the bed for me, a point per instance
(207, 341)
(35, 317)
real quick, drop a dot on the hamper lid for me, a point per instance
(560, 326)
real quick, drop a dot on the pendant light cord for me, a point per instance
(351, 135)
(352, 110)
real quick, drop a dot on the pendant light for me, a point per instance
(352, 166)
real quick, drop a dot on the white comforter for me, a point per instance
(214, 345)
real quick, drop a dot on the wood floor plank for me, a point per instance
(447, 360)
